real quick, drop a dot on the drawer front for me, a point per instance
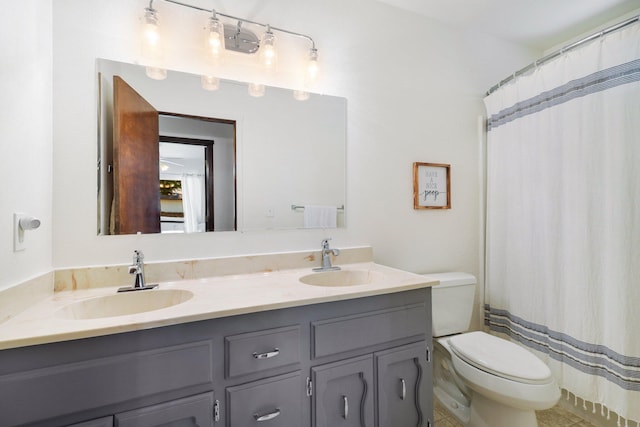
(274, 402)
(191, 411)
(348, 333)
(100, 422)
(262, 350)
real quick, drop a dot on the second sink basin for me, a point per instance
(341, 278)
(122, 304)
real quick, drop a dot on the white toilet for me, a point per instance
(485, 381)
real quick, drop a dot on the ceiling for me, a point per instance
(539, 24)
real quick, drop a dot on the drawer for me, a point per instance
(273, 402)
(259, 351)
(190, 411)
(359, 331)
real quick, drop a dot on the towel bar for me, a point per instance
(294, 207)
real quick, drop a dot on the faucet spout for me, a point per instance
(326, 257)
(137, 269)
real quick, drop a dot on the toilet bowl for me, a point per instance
(485, 381)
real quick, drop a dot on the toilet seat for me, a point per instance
(500, 357)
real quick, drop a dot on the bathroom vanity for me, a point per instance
(356, 355)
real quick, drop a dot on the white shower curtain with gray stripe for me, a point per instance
(563, 219)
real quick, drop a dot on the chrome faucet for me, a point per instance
(326, 257)
(137, 269)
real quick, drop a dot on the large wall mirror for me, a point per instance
(175, 158)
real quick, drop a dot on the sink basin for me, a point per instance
(341, 278)
(122, 304)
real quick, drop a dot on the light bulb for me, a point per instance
(268, 55)
(151, 33)
(151, 45)
(215, 39)
(210, 82)
(256, 90)
(312, 66)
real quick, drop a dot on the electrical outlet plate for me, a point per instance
(18, 234)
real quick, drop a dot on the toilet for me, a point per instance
(483, 380)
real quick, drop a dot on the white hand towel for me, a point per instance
(320, 216)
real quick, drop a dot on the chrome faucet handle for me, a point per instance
(325, 243)
(138, 257)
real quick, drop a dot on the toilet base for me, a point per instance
(459, 410)
(489, 413)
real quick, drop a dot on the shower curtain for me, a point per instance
(193, 199)
(563, 219)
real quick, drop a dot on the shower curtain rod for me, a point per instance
(563, 50)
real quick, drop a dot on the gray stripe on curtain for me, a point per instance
(596, 82)
(589, 358)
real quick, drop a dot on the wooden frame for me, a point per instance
(431, 186)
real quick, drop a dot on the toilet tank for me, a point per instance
(452, 302)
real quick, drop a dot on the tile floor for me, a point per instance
(554, 417)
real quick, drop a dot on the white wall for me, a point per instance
(411, 98)
(415, 98)
(25, 126)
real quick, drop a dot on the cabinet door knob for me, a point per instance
(403, 389)
(345, 403)
(267, 417)
(267, 355)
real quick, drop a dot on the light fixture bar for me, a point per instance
(282, 30)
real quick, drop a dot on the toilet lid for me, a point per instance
(500, 357)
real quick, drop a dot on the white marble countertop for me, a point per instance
(213, 297)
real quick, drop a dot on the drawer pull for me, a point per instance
(267, 417)
(403, 389)
(345, 402)
(267, 355)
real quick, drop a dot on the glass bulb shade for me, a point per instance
(151, 32)
(300, 95)
(215, 39)
(268, 54)
(152, 53)
(210, 83)
(156, 73)
(256, 90)
(312, 66)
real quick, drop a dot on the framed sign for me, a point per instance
(431, 186)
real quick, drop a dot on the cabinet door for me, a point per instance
(273, 402)
(188, 412)
(343, 393)
(404, 386)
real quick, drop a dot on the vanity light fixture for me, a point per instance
(215, 38)
(267, 49)
(152, 44)
(223, 36)
(312, 66)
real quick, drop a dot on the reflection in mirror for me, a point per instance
(226, 161)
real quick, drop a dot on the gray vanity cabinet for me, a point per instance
(404, 378)
(100, 422)
(361, 362)
(194, 411)
(343, 394)
(273, 402)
